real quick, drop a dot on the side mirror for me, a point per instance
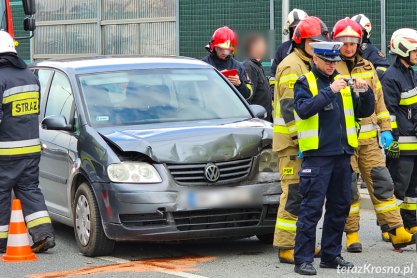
(29, 7)
(259, 111)
(56, 123)
(29, 24)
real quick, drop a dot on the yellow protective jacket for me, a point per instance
(289, 70)
(363, 69)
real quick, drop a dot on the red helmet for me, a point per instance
(224, 38)
(310, 28)
(347, 30)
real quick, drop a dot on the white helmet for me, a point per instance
(403, 41)
(6, 43)
(364, 22)
(293, 18)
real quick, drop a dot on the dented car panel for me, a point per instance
(237, 199)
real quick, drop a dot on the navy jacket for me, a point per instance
(283, 50)
(371, 53)
(228, 64)
(332, 127)
(19, 114)
(262, 94)
(396, 80)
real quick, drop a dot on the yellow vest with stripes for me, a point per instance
(308, 129)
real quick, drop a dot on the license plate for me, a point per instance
(220, 198)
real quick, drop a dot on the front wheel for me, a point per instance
(88, 228)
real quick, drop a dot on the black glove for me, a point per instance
(393, 151)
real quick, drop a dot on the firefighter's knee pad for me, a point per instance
(382, 183)
(294, 199)
(355, 193)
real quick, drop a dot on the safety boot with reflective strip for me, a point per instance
(286, 256)
(353, 243)
(401, 238)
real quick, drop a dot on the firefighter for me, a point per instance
(285, 132)
(369, 159)
(368, 50)
(400, 89)
(326, 109)
(20, 148)
(222, 46)
(293, 18)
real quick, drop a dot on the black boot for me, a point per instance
(43, 245)
(305, 269)
(338, 262)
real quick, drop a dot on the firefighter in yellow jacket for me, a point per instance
(369, 159)
(285, 132)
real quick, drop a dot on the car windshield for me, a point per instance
(159, 95)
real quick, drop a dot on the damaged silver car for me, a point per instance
(153, 149)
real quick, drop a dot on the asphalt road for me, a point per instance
(240, 258)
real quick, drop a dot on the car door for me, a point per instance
(56, 160)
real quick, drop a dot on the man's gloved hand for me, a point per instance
(386, 139)
(300, 154)
(393, 151)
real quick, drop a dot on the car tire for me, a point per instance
(266, 238)
(88, 227)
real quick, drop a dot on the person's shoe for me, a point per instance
(385, 237)
(338, 262)
(353, 244)
(287, 256)
(317, 252)
(401, 238)
(305, 269)
(43, 245)
(412, 230)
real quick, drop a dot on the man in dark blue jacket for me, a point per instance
(221, 48)
(326, 109)
(20, 149)
(399, 83)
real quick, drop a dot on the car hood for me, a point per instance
(191, 144)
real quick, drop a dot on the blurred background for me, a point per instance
(184, 27)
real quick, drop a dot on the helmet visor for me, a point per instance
(224, 51)
(348, 39)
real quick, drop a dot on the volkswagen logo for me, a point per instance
(212, 172)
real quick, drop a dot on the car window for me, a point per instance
(159, 95)
(60, 98)
(43, 75)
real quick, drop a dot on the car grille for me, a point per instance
(216, 218)
(230, 171)
(143, 220)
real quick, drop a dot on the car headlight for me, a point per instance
(133, 172)
(268, 161)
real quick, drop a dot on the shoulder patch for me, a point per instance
(364, 46)
(381, 54)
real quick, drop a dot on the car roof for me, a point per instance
(106, 63)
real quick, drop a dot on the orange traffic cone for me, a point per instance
(18, 248)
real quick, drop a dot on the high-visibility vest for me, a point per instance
(308, 129)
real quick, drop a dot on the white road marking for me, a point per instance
(162, 270)
(113, 259)
(182, 274)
